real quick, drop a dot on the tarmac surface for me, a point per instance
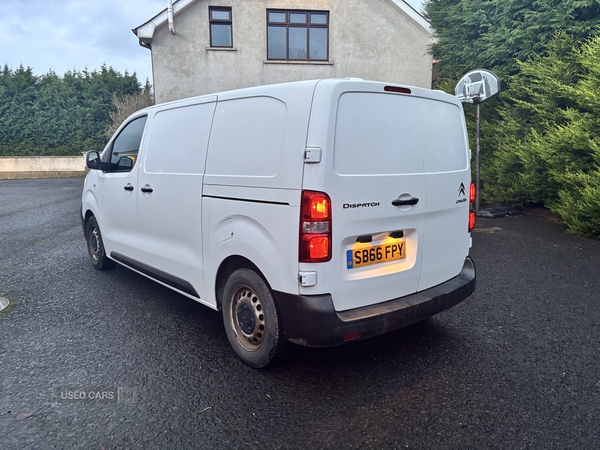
(517, 365)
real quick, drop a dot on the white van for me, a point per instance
(317, 212)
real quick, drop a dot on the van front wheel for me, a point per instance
(251, 320)
(96, 247)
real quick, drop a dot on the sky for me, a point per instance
(64, 35)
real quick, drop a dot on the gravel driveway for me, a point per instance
(517, 365)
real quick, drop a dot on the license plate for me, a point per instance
(365, 256)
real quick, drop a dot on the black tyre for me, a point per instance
(96, 247)
(251, 320)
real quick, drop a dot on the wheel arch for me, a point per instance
(226, 268)
(86, 216)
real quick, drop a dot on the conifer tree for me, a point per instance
(53, 115)
(495, 34)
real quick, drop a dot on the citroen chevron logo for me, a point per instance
(462, 190)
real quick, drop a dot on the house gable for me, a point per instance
(383, 40)
(145, 32)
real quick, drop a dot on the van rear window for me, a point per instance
(383, 134)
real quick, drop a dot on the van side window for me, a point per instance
(126, 146)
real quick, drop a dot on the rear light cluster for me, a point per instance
(315, 227)
(472, 197)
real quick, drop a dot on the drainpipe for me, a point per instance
(170, 16)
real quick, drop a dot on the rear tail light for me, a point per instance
(472, 193)
(472, 197)
(471, 220)
(315, 227)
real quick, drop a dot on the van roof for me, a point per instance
(309, 86)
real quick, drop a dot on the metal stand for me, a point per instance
(477, 168)
(476, 87)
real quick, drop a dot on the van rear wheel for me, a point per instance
(251, 320)
(96, 247)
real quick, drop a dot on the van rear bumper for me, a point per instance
(312, 320)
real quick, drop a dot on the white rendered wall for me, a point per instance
(370, 39)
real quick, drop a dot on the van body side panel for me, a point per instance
(253, 182)
(173, 167)
(262, 229)
(258, 137)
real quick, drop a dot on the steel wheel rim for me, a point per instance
(94, 243)
(247, 318)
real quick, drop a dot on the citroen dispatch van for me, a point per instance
(317, 212)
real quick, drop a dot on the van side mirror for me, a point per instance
(92, 160)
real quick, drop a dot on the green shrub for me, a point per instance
(579, 203)
(52, 115)
(546, 144)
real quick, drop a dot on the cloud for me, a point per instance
(74, 34)
(416, 4)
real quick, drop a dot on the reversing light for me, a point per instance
(400, 90)
(315, 227)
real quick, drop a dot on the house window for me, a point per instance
(220, 26)
(297, 35)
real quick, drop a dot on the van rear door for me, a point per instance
(448, 177)
(384, 190)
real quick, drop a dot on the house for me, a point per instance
(215, 45)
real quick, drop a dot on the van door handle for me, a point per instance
(129, 187)
(147, 189)
(411, 201)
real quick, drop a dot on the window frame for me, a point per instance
(112, 167)
(307, 26)
(212, 22)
